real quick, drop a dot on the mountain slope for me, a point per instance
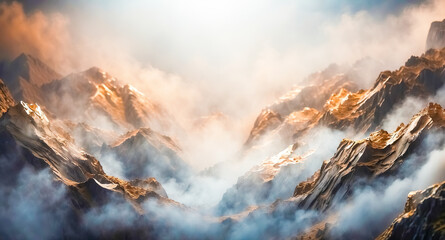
(6, 99)
(28, 135)
(92, 96)
(268, 181)
(299, 108)
(380, 155)
(335, 103)
(146, 153)
(105, 102)
(364, 110)
(423, 217)
(318, 202)
(25, 75)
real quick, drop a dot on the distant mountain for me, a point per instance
(329, 103)
(436, 35)
(104, 101)
(300, 108)
(86, 156)
(146, 153)
(92, 96)
(364, 110)
(25, 75)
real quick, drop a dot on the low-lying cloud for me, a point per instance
(374, 207)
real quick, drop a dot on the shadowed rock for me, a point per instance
(379, 155)
(423, 217)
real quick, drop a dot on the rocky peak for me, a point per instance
(39, 140)
(33, 70)
(146, 153)
(299, 108)
(25, 75)
(381, 154)
(436, 35)
(364, 110)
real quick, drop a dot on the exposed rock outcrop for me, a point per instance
(436, 35)
(6, 99)
(334, 102)
(28, 135)
(92, 96)
(299, 108)
(364, 110)
(423, 217)
(104, 102)
(379, 155)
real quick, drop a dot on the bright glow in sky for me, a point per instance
(258, 47)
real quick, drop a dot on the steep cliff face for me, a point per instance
(423, 217)
(380, 155)
(6, 99)
(436, 35)
(28, 135)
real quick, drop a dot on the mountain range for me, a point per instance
(86, 156)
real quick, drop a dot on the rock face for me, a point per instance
(364, 110)
(423, 217)
(146, 153)
(92, 96)
(105, 102)
(304, 191)
(85, 194)
(355, 165)
(436, 35)
(380, 155)
(28, 135)
(6, 99)
(299, 109)
(334, 103)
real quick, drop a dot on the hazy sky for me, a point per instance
(228, 53)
